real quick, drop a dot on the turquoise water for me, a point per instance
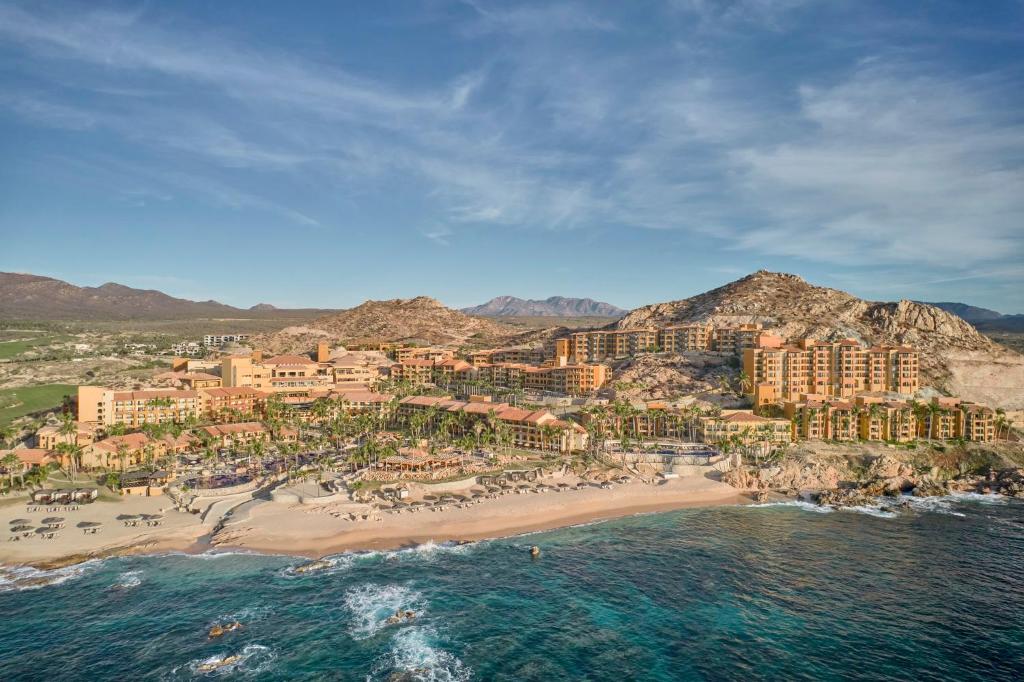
(771, 592)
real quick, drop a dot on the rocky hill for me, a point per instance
(955, 356)
(421, 319)
(33, 297)
(555, 306)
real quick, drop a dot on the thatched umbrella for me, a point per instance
(42, 530)
(21, 529)
(50, 520)
(19, 522)
(430, 497)
(128, 517)
(89, 524)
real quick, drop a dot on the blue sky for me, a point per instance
(320, 154)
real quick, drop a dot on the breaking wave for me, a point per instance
(414, 656)
(251, 661)
(371, 605)
(19, 578)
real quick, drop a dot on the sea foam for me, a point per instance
(371, 605)
(414, 655)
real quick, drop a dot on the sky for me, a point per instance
(325, 153)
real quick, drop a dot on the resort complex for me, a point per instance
(403, 398)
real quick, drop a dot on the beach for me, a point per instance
(316, 530)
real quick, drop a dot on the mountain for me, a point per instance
(421, 320)
(555, 306)
(968, 312)
(984, 319)
(955, 356)
(33, 297)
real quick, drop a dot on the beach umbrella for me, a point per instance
(19, 522)
(53, 519)
(430, 497)
(44, 529)
(21, 529)
(89, 524)
(563, 485)
(127, 517)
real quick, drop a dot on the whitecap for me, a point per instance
(935, 505)
(252, 660)
(371, 605)
(981, 498)
(876, 511)
(414, 656)
(428, 550)
(19, 578)
(128, 580)
(799, 504)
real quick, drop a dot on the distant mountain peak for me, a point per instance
(553, 306)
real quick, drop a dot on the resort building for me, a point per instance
(537, 429)
(352, 371)
(950, 418)
(426, 353)
(49, 437)
(685, 337)
(881, 419)
(218, 340)
(232, 402)
(122, 452)
(135, 408)
(744, 427)
(779, 372)
(526, 356)
(28, 458)
(415, 371)
(230, 435)
(597, 345)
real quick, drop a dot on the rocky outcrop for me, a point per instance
(421, 319)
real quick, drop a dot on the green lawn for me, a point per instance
(16, 346)
(17, 402)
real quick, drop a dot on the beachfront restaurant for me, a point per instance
(144, 483)
(416, 459)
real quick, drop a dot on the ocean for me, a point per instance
(773, 592)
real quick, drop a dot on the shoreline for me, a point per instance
(273, 531)
(312, 532)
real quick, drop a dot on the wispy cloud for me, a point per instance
(570, 118)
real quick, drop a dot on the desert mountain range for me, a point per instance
(554, 306)
(34, 297)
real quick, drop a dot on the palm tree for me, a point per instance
(10, 463)
(122, 455)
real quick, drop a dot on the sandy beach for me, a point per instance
(177, 530)
(313, 530)
(317, 530)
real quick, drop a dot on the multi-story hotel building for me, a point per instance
(947, 418)
(425, 353)
(780, 372)
(218, 403)
(594, 346)
(685, 337)
(528, 356)
(597, 345)
(217, 340)
(135, 408)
